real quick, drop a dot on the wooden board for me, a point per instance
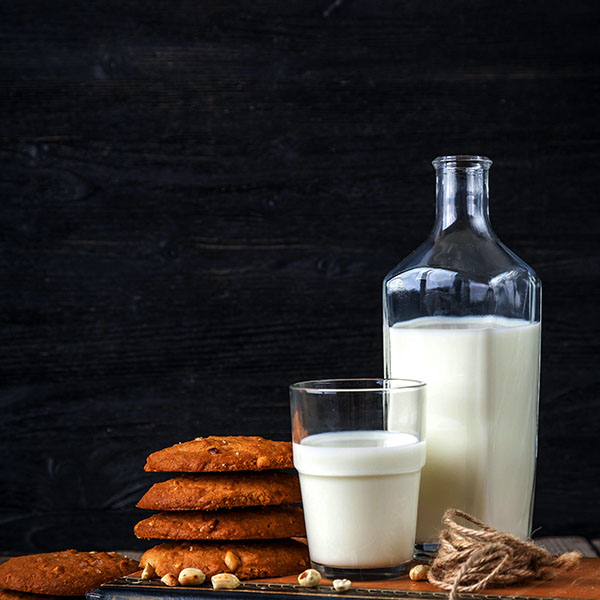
(582, 583)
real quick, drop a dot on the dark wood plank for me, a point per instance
(200, 201)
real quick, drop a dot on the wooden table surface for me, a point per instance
(582, 583)
(579, 583)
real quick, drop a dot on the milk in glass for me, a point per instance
(360, 491)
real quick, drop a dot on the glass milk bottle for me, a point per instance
(462, 313)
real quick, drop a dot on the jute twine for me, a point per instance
(469, 560)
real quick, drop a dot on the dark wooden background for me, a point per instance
(199, 201)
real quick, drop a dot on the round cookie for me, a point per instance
(247, 560)
(212, 491)
(236, 524)
(229, 453)
(67, 573)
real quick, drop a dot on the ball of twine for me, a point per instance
(469, 560)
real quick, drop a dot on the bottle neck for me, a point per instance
(462, 199)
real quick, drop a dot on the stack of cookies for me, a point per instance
(229, 509)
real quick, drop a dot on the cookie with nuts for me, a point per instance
(227, 453)
(268, 522)
(213, 491)
(247, 560)
(67, 573)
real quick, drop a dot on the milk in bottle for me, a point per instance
(462, 313)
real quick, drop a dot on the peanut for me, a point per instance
(341, 585)
(148, 572)
(191, 576)
(309, 578)
(232, 560)
(419, 573)
(169, 579)
(225, 581)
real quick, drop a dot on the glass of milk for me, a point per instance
(359, 448)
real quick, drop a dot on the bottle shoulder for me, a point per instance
(464, 254)
(461, 275)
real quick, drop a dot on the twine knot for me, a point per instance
(469, 560)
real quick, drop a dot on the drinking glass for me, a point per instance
(359, 448)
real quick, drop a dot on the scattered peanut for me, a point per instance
(225, 581)
(191, 576)
(419, 573)
(309, 578)
(169, 579)
(148, 572)
(232, 560)
(342, 585)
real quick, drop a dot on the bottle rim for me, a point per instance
(462, 162)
